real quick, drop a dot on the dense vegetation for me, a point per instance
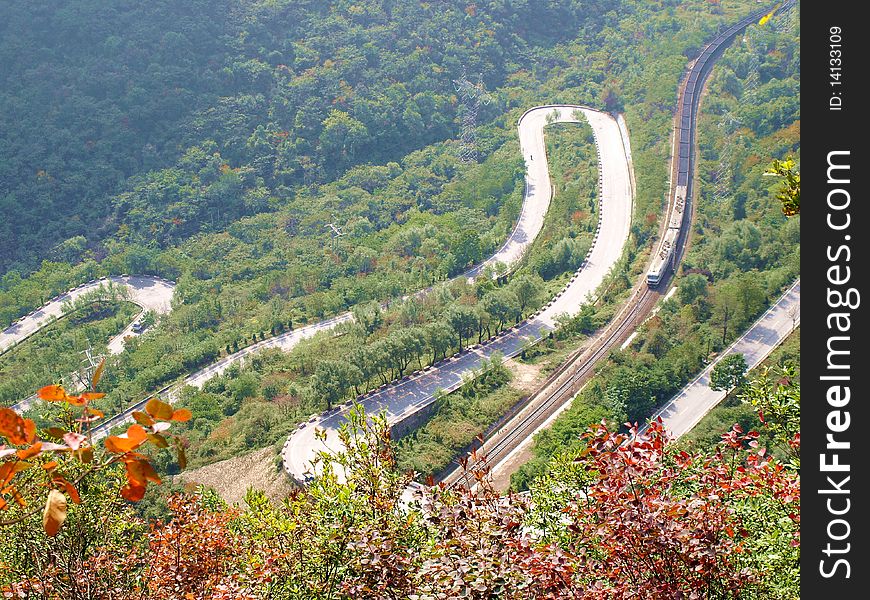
(214, 142)
(57, 351)
(118, 130)
(719, 525)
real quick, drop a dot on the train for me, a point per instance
(665, 256)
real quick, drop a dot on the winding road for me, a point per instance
(406, 397)
(615, 181)
(149, 293)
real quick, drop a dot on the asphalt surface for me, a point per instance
(404, 398)
(695, 400)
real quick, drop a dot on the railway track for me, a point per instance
(570, 377)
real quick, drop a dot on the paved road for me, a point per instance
(695, 400)
(149, 293)
(409, 395)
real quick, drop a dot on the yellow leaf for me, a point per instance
(54, 514)
(98, 374)
(159, 410)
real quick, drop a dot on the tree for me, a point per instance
(502, 305)
(527, 290)
(332, 379)
(726, 303)
(729, 373)
(789, 193)
(439, 339)
(692, 287)
(463, 321)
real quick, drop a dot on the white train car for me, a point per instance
(664, 258)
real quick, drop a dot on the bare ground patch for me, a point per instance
(231, 478)
(526, 378)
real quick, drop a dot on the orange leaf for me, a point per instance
(52, 393)
(98, 374)
(120, 444)
(16, 495)
(26, 453)
(92, 396)
(159, 410)
(140, 472)
(54, 514)
(133, 493)
(29, 431)
(50, 465)
(70, 489)
(12, 426)
(143, 419)
(182, 415)
(7, 472)
(95, 413)
(76, 401)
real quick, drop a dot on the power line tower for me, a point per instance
(336, 233)
(88, 367)
(472, 96)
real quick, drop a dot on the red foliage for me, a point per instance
(654, 528)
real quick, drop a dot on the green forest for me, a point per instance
(283, 162)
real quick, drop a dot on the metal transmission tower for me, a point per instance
(723, 175)
(472, 96)
(82, 377)
(336, 233)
